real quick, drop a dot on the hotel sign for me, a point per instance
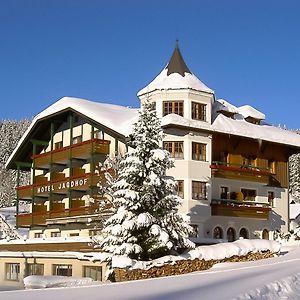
(56, 187)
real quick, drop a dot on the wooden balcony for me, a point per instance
(60, 186)
(82, 150)
(241, 209)
(40, 218)
(241, 172)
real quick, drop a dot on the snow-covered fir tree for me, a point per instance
(146, 223)
(10, 133)
(294, 173)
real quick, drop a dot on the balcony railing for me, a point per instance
(40, 218)
(242, 172)
(60, 186)
(82, 150)
(242, 209)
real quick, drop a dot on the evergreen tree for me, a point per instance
(10, 133)
(294, 174)
(146, 223)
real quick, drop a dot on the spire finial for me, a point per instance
(177, 43)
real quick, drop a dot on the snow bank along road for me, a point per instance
(274, 278)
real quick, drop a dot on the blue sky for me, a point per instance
(247, 51)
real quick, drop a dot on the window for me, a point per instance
(77, 139)
(99, 134)
(94, 272)
(74, 234)
(218, 233)
(180, 188)
(249, 162)
(175, 149)
(271, 198)
(55, 234)
(224, 158)
(249, 195)
(58, 145)
(272, 166)
(230, 234)
(244, 233)
(224, 192)
(35, 269)
(199, 191)
(265, 234)
(62, 270)
(38, 235)
(93, 232)
(198, 151)
(12, 271)
(198, 111)
(194, 233)
(173, 107)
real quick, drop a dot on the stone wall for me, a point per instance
(182, 267)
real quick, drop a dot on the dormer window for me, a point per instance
(253, 120)
(198, 111)
(173, 107)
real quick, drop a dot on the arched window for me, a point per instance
(230, 234)
(244, 233)
(265, 234)
(218, 233)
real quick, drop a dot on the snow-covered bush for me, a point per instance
(146, 223)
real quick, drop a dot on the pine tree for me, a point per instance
(294, 174)
(10, 133)
(146, 223)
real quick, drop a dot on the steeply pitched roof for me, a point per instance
(176, 75)
(177, 63)
(118, 118)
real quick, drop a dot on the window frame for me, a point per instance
(249, 189)
(56, 267)
(9, 271)
(227, 192)
(201, 190)
(174, 146)
(77, 139)
(98, 271)
(199, 151)
(271, 201)
(173, 107)
(32, 269)
(180, 188)
(199, 111)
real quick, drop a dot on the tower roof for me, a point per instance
(176, 75)
(177, 63)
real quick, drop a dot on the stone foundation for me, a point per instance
(182, 267)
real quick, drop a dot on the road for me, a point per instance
(223, 281)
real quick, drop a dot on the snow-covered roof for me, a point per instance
(249, 111)
(118, 118)
(176, 75)
(223, 105)
(294, 211)
(223, 124)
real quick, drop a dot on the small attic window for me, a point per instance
(253, 120)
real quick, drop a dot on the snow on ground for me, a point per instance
(39, 282)
(213, 252)
(274, 278)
